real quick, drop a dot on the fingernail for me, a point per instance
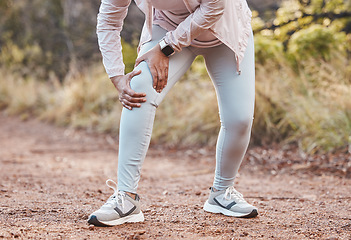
(155, 87)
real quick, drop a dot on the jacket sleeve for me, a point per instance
(204, 17)
(109, 26)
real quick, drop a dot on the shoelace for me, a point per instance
(231, 193)
(117, 197)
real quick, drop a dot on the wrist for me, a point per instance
(166, 49)
(115, 78)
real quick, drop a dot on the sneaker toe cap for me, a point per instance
(93, 220)
(244, 208)
(104, 216)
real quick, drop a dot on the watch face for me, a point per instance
(167, 50)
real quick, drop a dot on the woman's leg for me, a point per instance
(136, 125)
(236, 96)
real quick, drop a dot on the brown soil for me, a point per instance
(53, 178)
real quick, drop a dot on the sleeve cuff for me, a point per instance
(114, 72)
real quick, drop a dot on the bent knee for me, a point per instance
(240, 125)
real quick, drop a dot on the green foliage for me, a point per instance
(24, 60)
(316, 41)
(304, 75)
(294, 15)
(65, 32)
(58, 29)
(303, 30)
(129, 55)
(267, 49)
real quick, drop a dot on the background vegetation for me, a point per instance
(50, 68)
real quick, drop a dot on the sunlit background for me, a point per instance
(50, 68)
(59, 120)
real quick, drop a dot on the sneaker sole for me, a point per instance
(217, 209)
(128, 219)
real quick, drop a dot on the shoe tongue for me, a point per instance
(111, 200)
(237, 197)
(113, 196)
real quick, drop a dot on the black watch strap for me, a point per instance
(165, 48)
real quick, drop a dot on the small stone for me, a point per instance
(15, 234)
(140, 232)
(91, 227)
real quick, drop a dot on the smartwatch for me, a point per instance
(165, 48)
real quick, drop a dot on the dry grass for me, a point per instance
(309, 106)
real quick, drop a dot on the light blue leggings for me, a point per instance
(235, 95)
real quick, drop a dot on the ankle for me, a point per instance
(132, 195)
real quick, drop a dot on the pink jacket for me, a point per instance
(229, 20)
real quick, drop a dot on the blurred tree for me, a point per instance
(62, 32)
(266, 8)
(58, 36)
(294, 15)
(306, 28)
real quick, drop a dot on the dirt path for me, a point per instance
(53, 178)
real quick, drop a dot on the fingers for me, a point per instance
(160, 85)
(164, 77)
(134, 73)
(128, 104)
(157, 84)
(138, 60)
(131, 93)
(162, 80)
(128, 97)
(154, 75)
(131, 99)
(158, 65)
(160, 76)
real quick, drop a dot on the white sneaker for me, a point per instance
(230, 203)
(118, 209)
